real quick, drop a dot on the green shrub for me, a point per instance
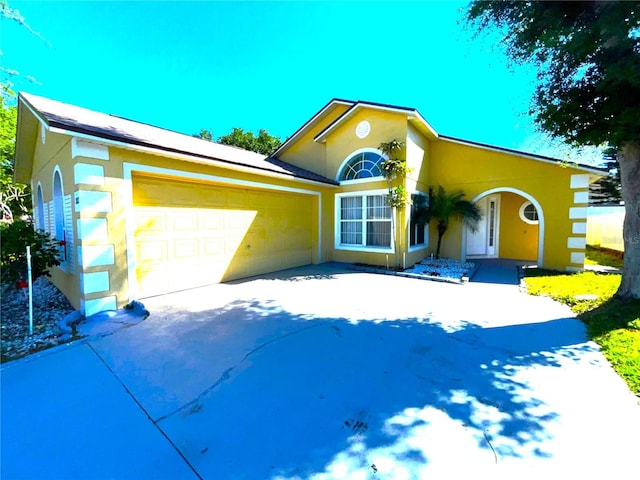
(15, 236)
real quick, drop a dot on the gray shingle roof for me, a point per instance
(109, 127)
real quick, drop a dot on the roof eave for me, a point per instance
(26, 138)
(541, 158)
(58, 127)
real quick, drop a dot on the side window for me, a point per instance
(58, 214)
(40, 208)
(419, 220)
(529, 214)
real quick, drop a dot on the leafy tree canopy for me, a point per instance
(263, 143)
(14, 197)
(588, 58)
(607, 190)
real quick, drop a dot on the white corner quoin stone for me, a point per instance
(90, 201)
(93, 229)
(96, 255)
(95, 282)
(577, 243)
(581, 197)
(97, 305)
(580, 181)
(578, 212)
(89, 174)
(577, 257)
(579, 227)
(82, 148)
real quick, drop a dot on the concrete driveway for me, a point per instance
(325, 373)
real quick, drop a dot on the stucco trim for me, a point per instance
(81, 148)
(88, 173)
(576, 213)
(578, 243)
(579, 181)
(91, 307)
(577, 257)
(94, 282)
(129, 168)
(529, 197)
(579, 227)
(581, 197)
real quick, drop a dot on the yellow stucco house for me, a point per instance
(142, 211)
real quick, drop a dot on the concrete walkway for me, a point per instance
(498, 271)
(321, 372)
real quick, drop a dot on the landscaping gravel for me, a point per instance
(442, 268)
(49, 307)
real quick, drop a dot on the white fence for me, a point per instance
(604, 227)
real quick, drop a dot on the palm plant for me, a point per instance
(444, 206)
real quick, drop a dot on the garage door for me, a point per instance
(192, 234)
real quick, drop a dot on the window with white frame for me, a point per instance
(364, 221)
(58, 212)
(362, 165)
(418, 222)
(528, 213)
(40, 208)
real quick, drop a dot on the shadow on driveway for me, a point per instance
(322, 373)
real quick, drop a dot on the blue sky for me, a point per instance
(217, 65)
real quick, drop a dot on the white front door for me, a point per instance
(484, 241)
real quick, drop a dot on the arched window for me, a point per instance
(362, 165)
(40, 207)
(58, 213)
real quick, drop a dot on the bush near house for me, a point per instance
(612, 323)
(13, 252)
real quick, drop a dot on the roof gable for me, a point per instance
(412, 115)
(313, 121)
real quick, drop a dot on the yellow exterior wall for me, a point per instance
(518, 239)
(417, 148)
(56, 152)
(342, 142)
(307, 154)
(476, 170)
(340, 145)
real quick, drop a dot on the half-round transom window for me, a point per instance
(362, 165)
(528, 213)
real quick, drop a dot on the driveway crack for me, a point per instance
(192, 406)
(154, 423)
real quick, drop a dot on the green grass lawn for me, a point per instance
(603, 256)
(612, 323)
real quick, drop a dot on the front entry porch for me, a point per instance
(511, 227)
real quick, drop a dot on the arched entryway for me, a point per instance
(512, 227)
